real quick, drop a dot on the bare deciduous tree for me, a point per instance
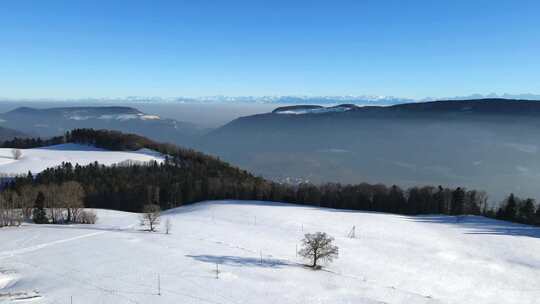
(53, 203)
(150, 217)
(318, 246)
(16, 153)
(28, 196)
(72, 194)
(88, 217)
(10, 209)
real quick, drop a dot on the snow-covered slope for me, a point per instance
(38, 159)
(392, 259)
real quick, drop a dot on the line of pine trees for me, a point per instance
(518, 210)
(27, 143)
(187, 176)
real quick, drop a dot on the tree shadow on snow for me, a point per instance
(240, 261)
(479, 225)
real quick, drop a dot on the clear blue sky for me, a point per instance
(193, 48)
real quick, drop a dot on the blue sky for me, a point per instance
(197, 48)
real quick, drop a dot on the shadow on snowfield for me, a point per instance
(240, 261)
(480, 225)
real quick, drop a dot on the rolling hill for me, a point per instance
(392, 259)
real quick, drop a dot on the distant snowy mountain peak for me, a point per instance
(526, 96)
(284, 99)
(324, 99)
(328, 100)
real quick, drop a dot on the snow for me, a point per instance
(121, 117)
(38, 159)
(150, 117)
(316, 110)
(392, 259)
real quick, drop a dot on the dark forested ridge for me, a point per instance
(187, 176)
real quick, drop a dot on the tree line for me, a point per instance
(186, 176)
(27, 143)
(43, 204)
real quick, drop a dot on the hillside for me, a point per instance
(179, 176)
(39, 159)
(486, 144)
(455, 108)
(393, 259)
(55, 121)
(8, 134)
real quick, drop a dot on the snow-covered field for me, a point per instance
(392, 259)
(39, 159)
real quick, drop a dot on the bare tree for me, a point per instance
(318, 246)
(150, 217)
(28, 196)
(16, 153)
(87, 217)
(3, 211)
(71, 196)
(10, 211)
(53, 202)
(168, 226)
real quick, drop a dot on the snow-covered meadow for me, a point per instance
(39, 159)
(392, 259)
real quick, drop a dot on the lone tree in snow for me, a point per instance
(16, 153)
(150, 217)
(318, 246)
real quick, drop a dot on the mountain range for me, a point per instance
(284, 99)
